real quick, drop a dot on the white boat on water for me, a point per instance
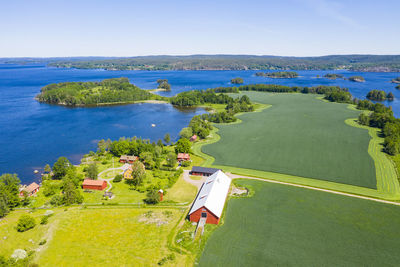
(153, 125)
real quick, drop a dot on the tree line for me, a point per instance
(200, 125)
(382, 117)
(233, 62)
(199, 97)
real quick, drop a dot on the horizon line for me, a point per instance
(188, 55)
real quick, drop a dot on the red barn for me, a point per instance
(211, 198)
(94, 184)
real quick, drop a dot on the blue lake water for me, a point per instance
(33, 134)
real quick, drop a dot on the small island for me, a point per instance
(396, 80)
(333, 76)
(359, 79)
(106, 92)
(164, 85)
(380, 95)
(398, 87)
(237, 81)
(279, 74)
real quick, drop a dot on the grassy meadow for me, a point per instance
(283, 225)
(113, 237)
(298, 135)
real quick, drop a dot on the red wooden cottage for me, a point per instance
(211, 198)
(31, 189)
(183, 157)
(94, 184)
(127, 159)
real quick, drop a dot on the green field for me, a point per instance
(298, 135)
(283, 225)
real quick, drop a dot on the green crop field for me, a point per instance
(297, 135)
(283, 225)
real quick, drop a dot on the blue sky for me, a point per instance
(133, 28)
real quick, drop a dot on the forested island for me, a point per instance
(333, 76)
(359, 79)
(109, 91)
(237, 81)
(380, 95)
(163, 84)
(373, 63)
(396, 80)
(279, 74)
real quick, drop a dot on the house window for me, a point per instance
(204, 215)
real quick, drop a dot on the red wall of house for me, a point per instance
(211, 218)
(94, 187)
(200, 174)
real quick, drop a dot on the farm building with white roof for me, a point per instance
(211, 198)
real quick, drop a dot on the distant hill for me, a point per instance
(377, 63)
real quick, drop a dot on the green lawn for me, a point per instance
(112, 237)
(181, 192)
(283, 225)
(298, 135)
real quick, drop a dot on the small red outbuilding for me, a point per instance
(94, 184)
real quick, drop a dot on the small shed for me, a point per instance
(193, 138)
(127, 159)
(183, 157)
(94, 184)
(202, 171)
(210, 200)
(31, 189)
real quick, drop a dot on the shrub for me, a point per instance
(118, 178)
(152, 197)
(44, 220)
(25, 223)
(56, 200)
(41, 243)
(185, 163)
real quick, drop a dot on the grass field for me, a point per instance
(282, 225)
(298, 135)
(181, 192)
(113, 237)
(10, 239)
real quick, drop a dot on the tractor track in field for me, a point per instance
(235, 176)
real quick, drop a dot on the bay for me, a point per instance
(33, 134)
